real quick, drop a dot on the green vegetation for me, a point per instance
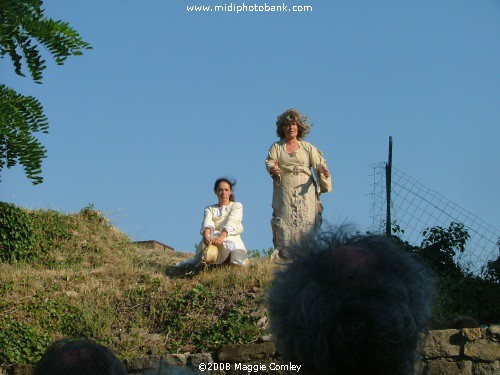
(264, 253)
(75, 275)
(79, 276)
(16, 233)
(460, 293)
(23, 30)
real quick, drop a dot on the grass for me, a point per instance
(88, 279)
(85, 278)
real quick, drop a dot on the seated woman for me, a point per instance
(221, 227)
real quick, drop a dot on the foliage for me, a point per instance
(23, 30)
(89, 280)
(492, 270)
(233, 323)
(20, 117)
(24, 340)
(16, 233)
(30, 235)
(264, 253)
(440, 246)
(460, 293)
(51, 230)
(21, 342)
(91, 214)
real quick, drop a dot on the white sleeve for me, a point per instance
(234, 219)
(208, 221)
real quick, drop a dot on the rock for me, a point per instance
(142, 363)
(473, 334)
(442, 366)
(246, 353)
(175, 359)
(21, 370)
(482, 350)
(487, 368)
(267, 338)
(444, 343)
(262, 323)
(494, 330)
(195, 359)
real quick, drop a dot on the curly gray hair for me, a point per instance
(292, 115)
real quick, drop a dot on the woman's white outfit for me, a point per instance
(217, 219)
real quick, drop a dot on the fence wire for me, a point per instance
(415, 208)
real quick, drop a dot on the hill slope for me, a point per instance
(88, 279)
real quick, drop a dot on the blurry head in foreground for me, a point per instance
(350, 305)
(79, 357)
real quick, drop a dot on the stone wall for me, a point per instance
(469, 351)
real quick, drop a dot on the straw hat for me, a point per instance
(210, 253)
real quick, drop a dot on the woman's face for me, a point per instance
(223, 192)
(291, 131)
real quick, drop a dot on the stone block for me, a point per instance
(473, 334)
(246, 353)
(175, 359)
(494, 331)
(141, 363)
(492, 368)
(195, 359)
(488, 351)
(443, 366)
(267, 337)
(20, 370)
(442, 343)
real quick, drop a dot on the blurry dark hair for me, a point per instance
(231, 185)
(350, 305)
(292, 115)
(79, 357)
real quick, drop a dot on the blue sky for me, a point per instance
(169, 100)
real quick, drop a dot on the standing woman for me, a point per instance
(221, 227)
(296, 205)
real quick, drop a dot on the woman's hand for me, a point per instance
(324, 170)
(219, 240)
(206, 236)
(275, 170)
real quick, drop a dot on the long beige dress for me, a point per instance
(216, 219)
(296, 205)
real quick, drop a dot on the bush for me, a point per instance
(21, 343)
(264, 253)
(460, 293)
(51, 230)
(16, 234)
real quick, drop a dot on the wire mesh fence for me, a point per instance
(415, 208)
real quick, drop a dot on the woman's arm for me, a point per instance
(207, 235)
(232, 223)
(207, 225)
(321, 171)
(272, 160)
(234, 218)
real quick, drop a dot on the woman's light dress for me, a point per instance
(296, 205)
(217, 219)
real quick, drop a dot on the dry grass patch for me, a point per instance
(96, 283)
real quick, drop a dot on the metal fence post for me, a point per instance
(388, 172)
